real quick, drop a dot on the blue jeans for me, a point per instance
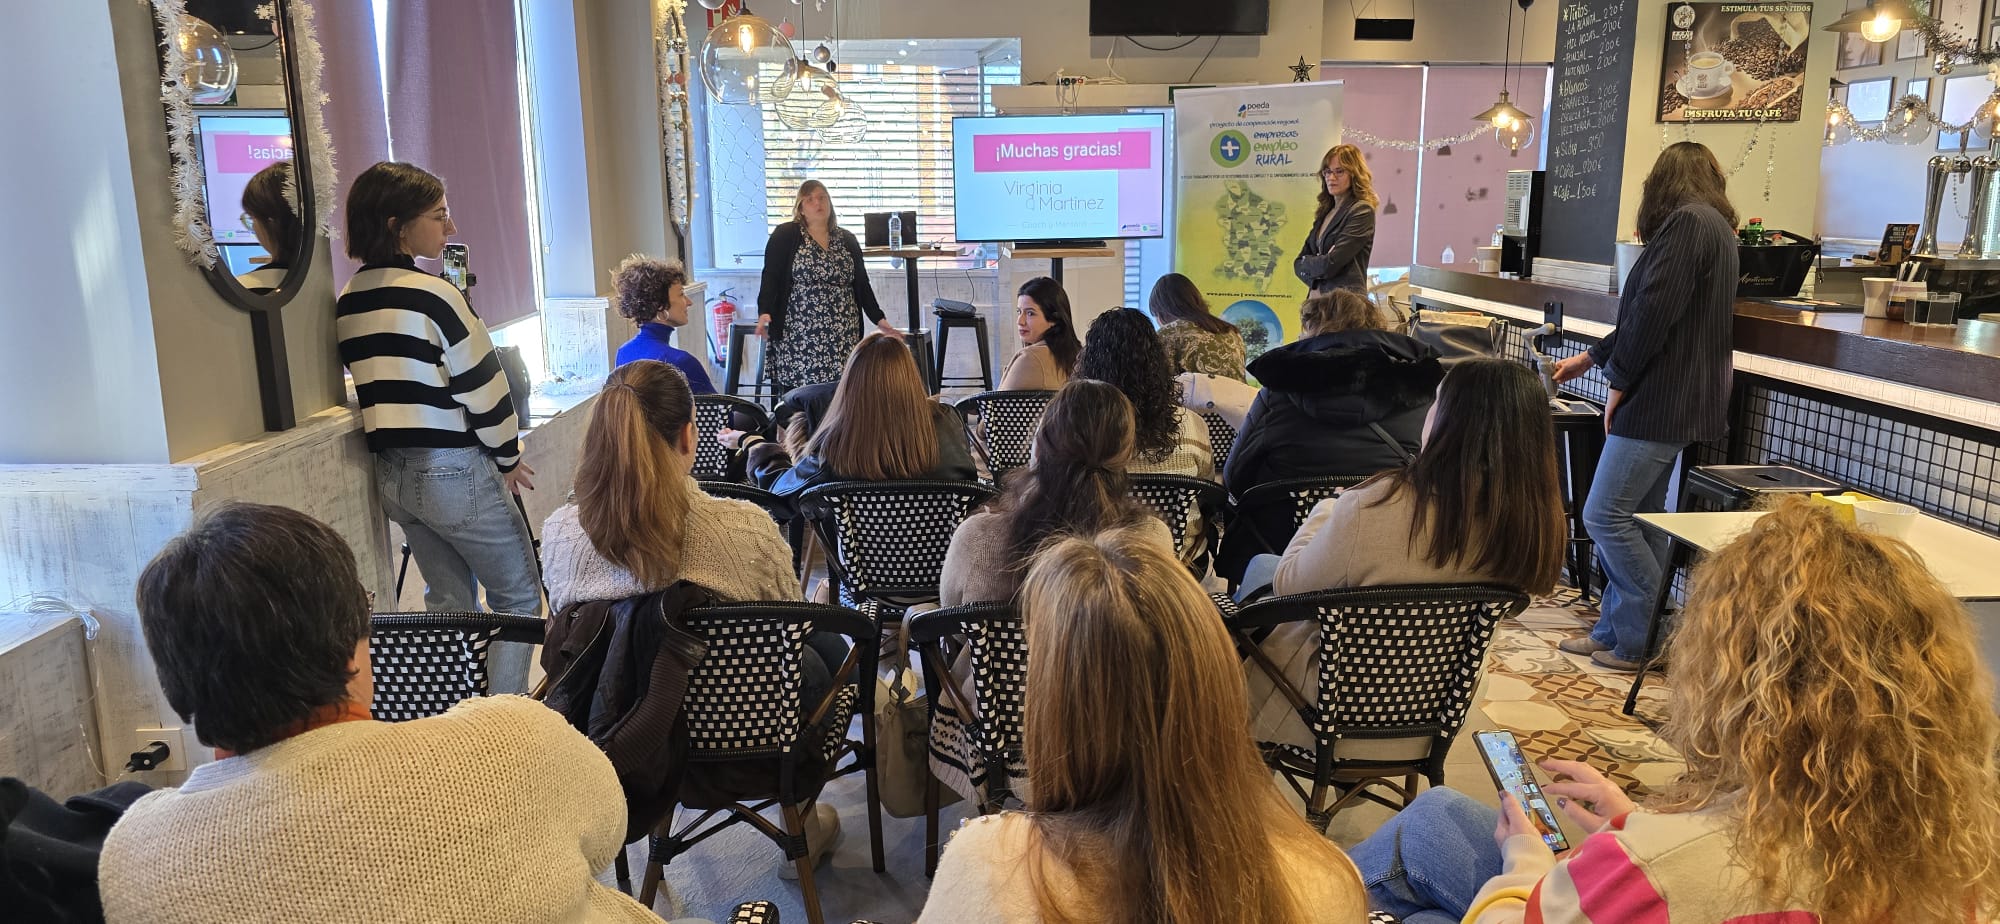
(1426, 864)
(462, 528)
(1257, 577)
(1632, 478)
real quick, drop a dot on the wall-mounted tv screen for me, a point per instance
(1043, 178)
(1180, 17)
(235, 144)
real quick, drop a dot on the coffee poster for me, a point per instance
(1734, 62)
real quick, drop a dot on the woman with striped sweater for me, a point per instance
(1839, 732)
(434, 401)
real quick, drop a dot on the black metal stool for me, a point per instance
(732, 375)
(1732, 487)
(920, 348)
(944, 325)
(1580, 440)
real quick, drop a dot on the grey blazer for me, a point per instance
(1338, 259)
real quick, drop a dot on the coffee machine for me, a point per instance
(1521, 227)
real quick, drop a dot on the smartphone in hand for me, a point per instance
(1512, 773)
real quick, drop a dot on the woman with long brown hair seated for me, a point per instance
(881, 426)
(1839, 733)
(1449, 516)
(1196, 340)
(1146, 801)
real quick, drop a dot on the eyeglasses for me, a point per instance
(1327, 173)
(249, 222)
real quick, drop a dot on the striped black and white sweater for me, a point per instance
(423, 365)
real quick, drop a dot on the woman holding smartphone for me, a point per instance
(1839, 733)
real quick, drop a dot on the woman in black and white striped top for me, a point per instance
(434, 401)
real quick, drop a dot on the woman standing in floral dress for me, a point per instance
(814, 292)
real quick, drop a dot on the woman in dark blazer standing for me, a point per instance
(1335, 255)
(1668, 368)
(814, 292)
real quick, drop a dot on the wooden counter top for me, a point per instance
(1962, 360)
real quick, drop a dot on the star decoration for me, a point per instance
(1302, 72)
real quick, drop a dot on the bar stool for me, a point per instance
(732, 376)
(944, 325)
(1580, 440)
(1732, 487)
(920, 348)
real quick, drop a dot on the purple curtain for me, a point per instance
(354, 117)
(454, 109)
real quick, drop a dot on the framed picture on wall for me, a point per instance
(1919, 87)
(1755, 76)
(1869, 100)
(1856, 51)
(1962, 96)
(1909, 44)
(1993, 38)
(1959, 17)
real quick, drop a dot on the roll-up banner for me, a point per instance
(1248, 162)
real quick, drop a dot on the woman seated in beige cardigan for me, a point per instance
(494, 811)
(1146, 800)
(1049, 345)
(1480, 503)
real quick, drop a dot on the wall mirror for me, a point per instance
(251, 161)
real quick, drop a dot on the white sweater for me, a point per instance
(494, 811)
(730, 547)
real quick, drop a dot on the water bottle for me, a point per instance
(895, 232)
(1499, 234)
(1449, 256)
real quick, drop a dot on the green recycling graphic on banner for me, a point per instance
(1247, 190)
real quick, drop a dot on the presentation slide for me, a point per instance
(1038, 178)
(234, 146)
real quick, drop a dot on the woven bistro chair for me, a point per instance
(712, 413)
(976, 743)
(1005, 425)
(885, 541)
(1221, 437)
(1284, 504)
(424, 663)
(1178, 499)
(1397, 669)
(745, 718)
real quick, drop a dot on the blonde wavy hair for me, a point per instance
(1833, 701)
(1146, 787)
(1360, 182)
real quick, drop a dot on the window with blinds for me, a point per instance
(904, 162)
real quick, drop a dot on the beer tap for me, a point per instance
(1982, 230)
(1941, 169)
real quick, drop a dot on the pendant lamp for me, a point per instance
(1879, 21)
(746, 61)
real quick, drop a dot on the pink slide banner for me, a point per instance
(1044, 151)
(245, 153)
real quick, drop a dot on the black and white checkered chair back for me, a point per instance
(1176, 500)
(889, 538)
(964, 752)
(1007, 424)
(1409, 665)
(425, 663)
(711, 413)
(744, 698)
(1221, 437)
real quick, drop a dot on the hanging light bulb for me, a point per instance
(1512, 127)
(746, 61)
(813, 89)
(1907, 122)
(1881, 28)
(1516, 134)
(849, 122)
(1837, 133)
(1879, 21)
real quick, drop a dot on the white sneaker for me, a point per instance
(822, 826)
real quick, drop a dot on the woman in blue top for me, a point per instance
(653, 294)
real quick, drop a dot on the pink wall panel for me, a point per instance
(1382, 101)
(1464, 186)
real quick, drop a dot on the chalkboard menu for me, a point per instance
(1586, 130)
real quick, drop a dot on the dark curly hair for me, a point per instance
(643, 283)
(1123, 349)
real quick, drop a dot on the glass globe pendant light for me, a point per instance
(746, 61)
(1907, 123)
(813, 89)
(1511, 127)
(211, 63)
(1837, 133)
(841, 120)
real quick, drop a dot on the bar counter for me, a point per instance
(1900, 411)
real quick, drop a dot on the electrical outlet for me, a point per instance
(176, 746)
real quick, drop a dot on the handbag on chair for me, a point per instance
(902, 737)
(1457, 335)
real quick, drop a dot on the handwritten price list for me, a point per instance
(1586, 130)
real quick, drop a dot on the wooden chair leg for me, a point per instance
(808, 891)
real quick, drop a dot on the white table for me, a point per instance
(1965, 561)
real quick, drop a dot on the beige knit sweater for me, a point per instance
(730, 547)
(983, 877)
(494, 811)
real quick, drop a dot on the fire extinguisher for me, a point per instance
(721, 314)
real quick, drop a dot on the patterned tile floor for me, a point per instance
(1565, 706)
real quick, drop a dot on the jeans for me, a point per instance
(1257, 577)
(462, 528)
(1632, 478)
(1426, 864)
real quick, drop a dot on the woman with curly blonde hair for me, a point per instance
(1839, 733)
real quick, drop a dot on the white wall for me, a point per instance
(76, 330)
(1447, 31)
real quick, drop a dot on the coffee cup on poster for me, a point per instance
(1708, 74)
